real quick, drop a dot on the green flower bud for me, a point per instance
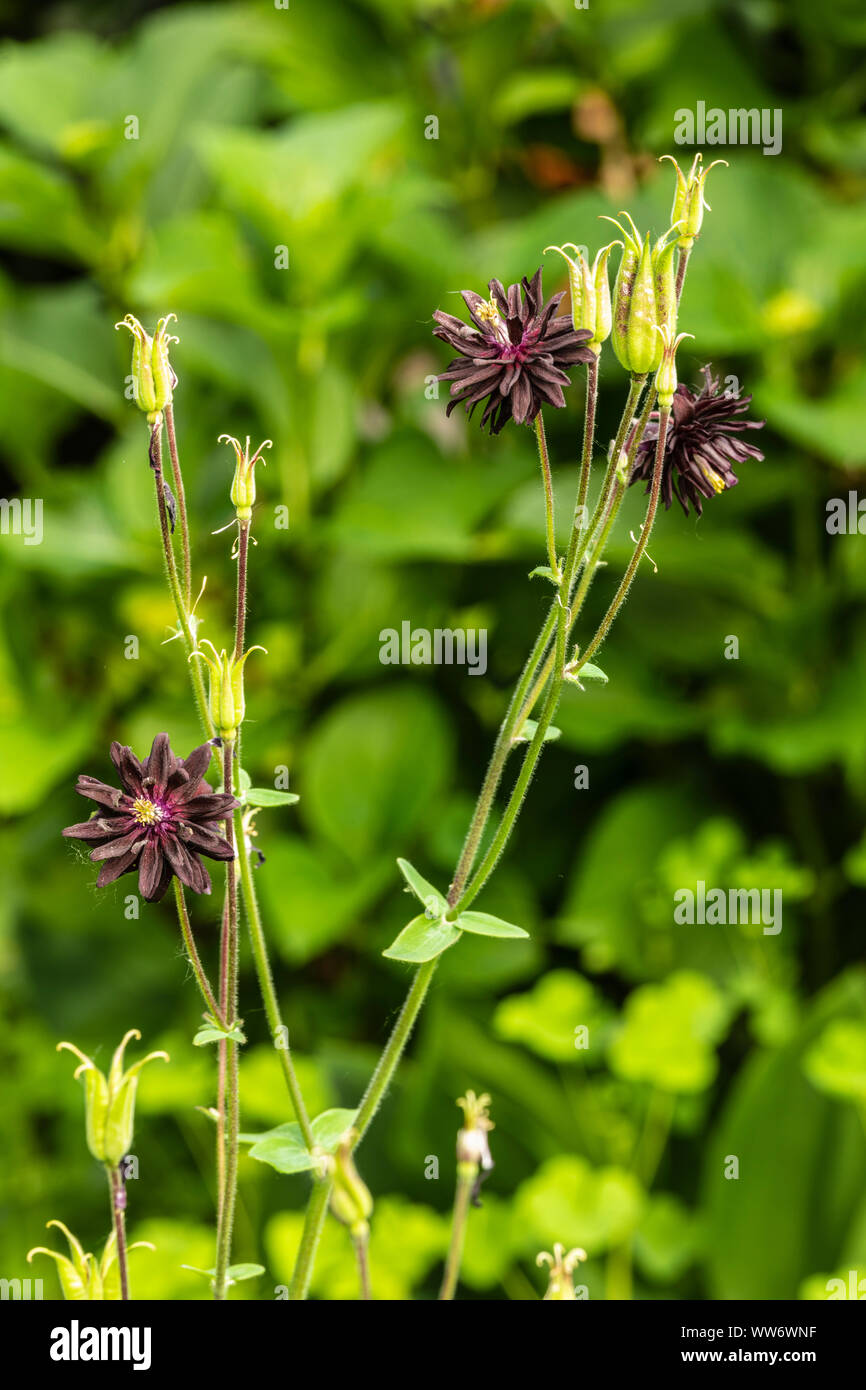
(109, 1102)
(351, 1201)
(666, 376)
(590, 291)
(226, 688)
(664, 280)
(560, 1286)
(687, 213)
(153, 378)
(81, 1278)
(243, 490)
(644, 296)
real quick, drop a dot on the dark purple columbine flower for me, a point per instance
(514, 357)
(161, 822)
(702, 444)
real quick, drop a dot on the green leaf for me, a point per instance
(669, 1034)
(212, 1033)
(569, 1200)
(424, 891)
(836, 1063)
(544, 572)
(268, 796)
(483, 924)
(235, 1272)
(423, 939)
(586, 673)
(395, 744)
(546, 1018)
(284, 1148)
(527, 732)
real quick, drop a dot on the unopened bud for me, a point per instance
(351, 1201)
(109, 1102)
(226, 698)
(153, 378)
(666, 376)
(243, 489)
(689, 203)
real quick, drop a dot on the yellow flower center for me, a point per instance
(145, 812)
(712, 477)
(488, 313)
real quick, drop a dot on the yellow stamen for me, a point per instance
(145, 812)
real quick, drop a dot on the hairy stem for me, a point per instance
(361, 1242)
(117, 1189)
(193, 955)
(314, 1219)
(279, 1033)
(180, 607)
(180, 498)
(466, 1175)
(550, 517)
(388, 1062)
(626, 581)
(229, 1002)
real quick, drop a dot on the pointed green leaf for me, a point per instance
(544, 572)
(269, 796)
(586, 673)
(210, 1033)
(482, 924)
(527, 732)
(284, 1148)
(434, 903)
(235, 1272)
(423, 939)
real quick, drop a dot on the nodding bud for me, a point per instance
(226, 687)
(153, 378)
(689, 202)
(644, 295)
(666, 376)
(590, 291)
(243, 489)
(351, 1201)
(109, 1102)
(560, 1286)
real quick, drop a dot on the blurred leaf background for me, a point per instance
(157, 158)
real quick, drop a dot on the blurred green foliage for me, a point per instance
(173, 160)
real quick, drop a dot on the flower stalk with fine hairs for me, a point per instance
(474, 1163)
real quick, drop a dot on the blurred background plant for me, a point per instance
(303, 186)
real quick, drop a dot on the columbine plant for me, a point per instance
(514, 359)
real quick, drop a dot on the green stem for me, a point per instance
(279, 1033)
(388, 1062)
(682, 263)
(626, 582)
(533, 752)
(180, 498)
(174, 584)
(193, 955)
(466, 1175)
(118, 1215)
(501, 750)
(314, 1219)
(229, 1002)
(548, 495)
(588, 439)
(361, 1242)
